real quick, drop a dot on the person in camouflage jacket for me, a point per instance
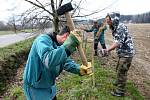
(124, 46)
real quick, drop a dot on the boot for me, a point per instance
(117, 93)
(95, 53)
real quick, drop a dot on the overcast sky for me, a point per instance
(125, 7)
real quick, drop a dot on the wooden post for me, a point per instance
(80, 49)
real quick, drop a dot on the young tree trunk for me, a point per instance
(56, 23)
(14, 27)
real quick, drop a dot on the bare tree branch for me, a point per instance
(53, 7)
(60, 3)
(40, 7)
(77, 7)
(40, 3)
(97, 11)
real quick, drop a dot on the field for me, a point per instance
(98, 87)
(6, 32)
(12, 32)
(140, 70)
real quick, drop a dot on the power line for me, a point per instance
(99, 10)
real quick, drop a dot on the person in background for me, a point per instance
(48, 57)
(97, 38)
(101, 34)
(124, 46)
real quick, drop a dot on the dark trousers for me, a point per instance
(122, 69)
(103, 46)
(96, 44)
(55, 98)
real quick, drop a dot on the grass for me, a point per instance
(6, 32)
(11, 57)
(15, 48)
(74, 87)
(16, 93)
(12, 32)
(28, 30)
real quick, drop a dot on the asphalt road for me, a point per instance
(6, 40)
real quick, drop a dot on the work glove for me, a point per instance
(86, 70)
(71, 42)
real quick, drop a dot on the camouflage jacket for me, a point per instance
(123, 38)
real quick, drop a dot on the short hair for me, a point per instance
(108, 16)
(95, 22)
(114, 17)
(64, 30)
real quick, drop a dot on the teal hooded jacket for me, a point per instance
(46, 61)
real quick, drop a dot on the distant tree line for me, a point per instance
(139, 18)
(13, 25)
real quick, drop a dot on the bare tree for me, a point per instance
(46, 11)
(12, 24)
(39, 9)
(2, 26)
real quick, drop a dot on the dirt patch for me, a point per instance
(9, 69)
(139, 72)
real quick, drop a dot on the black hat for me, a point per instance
(64, 30)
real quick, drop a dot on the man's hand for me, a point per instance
(86, 70)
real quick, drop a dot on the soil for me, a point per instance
(139, 71)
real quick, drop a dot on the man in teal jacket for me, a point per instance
(100, 39)
(49, 55)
